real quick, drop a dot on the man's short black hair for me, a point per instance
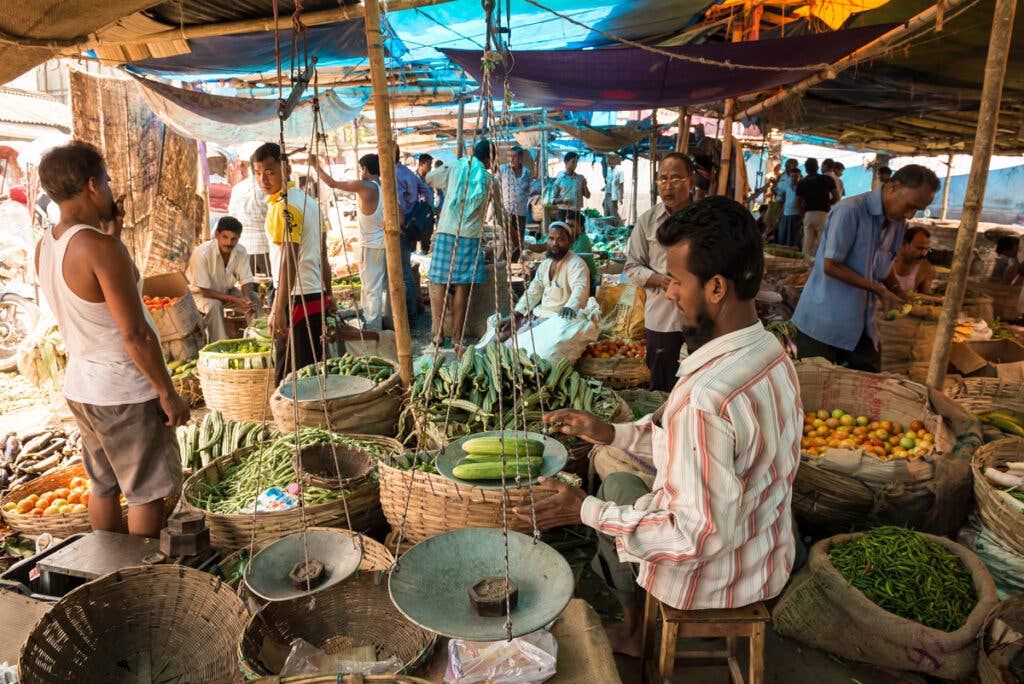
(811, 164)
(914, 176)
(687, 162)
(570, 216)
(267, 151)
(838, 166)
(65, 171)
(229, 223)
(484, 151)
(724, 240)
(371, 163)
(1007, 243)
(884, 171)
(425, 159)
(827, 165)
(912, 232)
(569, 156)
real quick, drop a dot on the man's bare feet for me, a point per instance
(624, 640)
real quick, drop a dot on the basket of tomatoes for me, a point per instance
(619, 364)
(57, 503)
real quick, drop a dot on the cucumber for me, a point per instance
(491, 470)
(513, 445)
(496, 458)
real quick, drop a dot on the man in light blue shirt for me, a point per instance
(785, 191)
(853, 270)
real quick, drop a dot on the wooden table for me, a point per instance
(584, 654)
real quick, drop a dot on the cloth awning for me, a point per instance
(233, 120)
(634, 78)
(604, 139)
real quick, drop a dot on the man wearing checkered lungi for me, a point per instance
(457, 259)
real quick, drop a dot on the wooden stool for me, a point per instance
(731, 623)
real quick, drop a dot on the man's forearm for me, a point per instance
(213, 294)
(844, 273)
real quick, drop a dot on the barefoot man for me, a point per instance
(716, 530)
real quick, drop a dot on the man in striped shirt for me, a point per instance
(716, 530)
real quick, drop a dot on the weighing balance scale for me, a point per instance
(334, 387)
(437, 584)
(303, 563)
(555, 458)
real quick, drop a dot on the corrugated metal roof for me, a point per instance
(215, 11)
(25, 107)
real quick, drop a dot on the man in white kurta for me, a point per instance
(561, 285)
(219, 275)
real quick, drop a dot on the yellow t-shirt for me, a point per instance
(302, 228)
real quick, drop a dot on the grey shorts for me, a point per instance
(128, 449)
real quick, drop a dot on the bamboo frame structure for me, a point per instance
(725, 167)
(984, 141)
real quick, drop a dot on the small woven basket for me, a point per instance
(1000, 515)
(355, 612)
(617, 373)
(229, 532)
(60, 526)
(333, 466)
(238, 393)
(150, 623)
(986, 394)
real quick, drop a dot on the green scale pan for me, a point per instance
(555, 458)
(432, 581)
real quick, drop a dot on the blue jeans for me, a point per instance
(790, 227)
(412, 288)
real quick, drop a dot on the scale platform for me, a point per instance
(555, 458)
(100, 553)
(431, 584)
(334, 387)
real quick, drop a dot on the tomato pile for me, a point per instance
(71, 499)
(157, 303)
(610, 349)
(883, 439)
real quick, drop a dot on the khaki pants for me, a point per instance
(622, 489)
(814, 223)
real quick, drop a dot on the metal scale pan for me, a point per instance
(334, 387)
(555, 458)
(272, 572)
(431, 584)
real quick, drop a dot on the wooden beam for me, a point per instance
(389, 186)
(317, 18)
(724, 168)
(683, 139)
(984, 141)
(945, 188)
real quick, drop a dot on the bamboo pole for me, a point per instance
(460, 130)
(726, 165)
(388, 182)
(683, 139)
(653, 156)
(984, 141)
(636, 183)
(945, 188)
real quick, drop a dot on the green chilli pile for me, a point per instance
(470, 386)
(908, 575)
(372, 367)
(243, 482)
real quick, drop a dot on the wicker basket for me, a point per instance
(617, 373)
(998, 647)
(985, 394)
(333, 466)
(229, 532)
(998, 514)
(60, 526)
(134, 623)
(239, 394)
(190, 390)
(357, 611)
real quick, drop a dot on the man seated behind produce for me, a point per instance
(219, 275)
(911, 268)
(715, 531)
(560, 287)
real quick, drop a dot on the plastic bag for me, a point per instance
(554, 338)
(527, 659)
(622, 311)
(305, 658)
(275, 499)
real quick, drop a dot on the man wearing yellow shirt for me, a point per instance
(298, 260)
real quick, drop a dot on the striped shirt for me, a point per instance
(716, 529)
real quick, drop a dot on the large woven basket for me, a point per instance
(985, 394)
(356, 612)
(999, 515)
(617, 373)
(229, 532)
(153, 623)
(241, 394)
(58, 525)
(1000, 645)
(374, 412)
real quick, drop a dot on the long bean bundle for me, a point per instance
(908, 575)
(242, 483)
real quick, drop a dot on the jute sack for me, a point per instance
(820, 609)
(605, 460)
(374, 412)
(622, 312)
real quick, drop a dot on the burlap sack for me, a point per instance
(622, 312)
(605, 460)
(820, 609)
(374, 412)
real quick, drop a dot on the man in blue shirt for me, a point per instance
(853, 270)
(785, 192)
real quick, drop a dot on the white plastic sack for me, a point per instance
(555, 338)
(527, 659)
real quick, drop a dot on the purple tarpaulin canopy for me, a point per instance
(632, 78)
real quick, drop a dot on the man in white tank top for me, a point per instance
(116, 384)
(373, 272)
(911, 267)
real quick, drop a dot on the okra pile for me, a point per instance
(470, 387)
(372, 367)
(908, 575)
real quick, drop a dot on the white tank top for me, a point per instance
(100, 371)
(908, 281)
(371, 226)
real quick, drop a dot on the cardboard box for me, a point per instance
(987, 359)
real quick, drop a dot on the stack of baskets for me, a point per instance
(238, 385)
(233, 531)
